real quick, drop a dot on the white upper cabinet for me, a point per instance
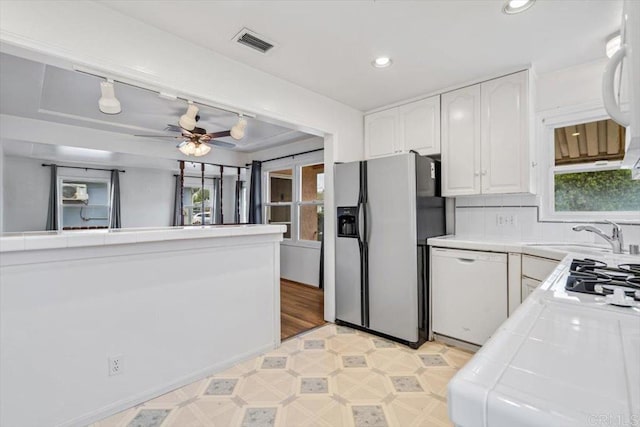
(414, 126)
(420, 126)
(485, 138)
(461, 141)
(381, 133)
(505, 148)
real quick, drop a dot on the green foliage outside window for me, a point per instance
(610, 190)
(197, 196)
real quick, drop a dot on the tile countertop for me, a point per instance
(552, 250)
(561, 359)
(15, 242)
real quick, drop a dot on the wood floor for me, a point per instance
(301, 308)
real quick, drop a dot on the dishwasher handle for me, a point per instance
(466, 260)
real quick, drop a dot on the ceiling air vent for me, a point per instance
(255, 41)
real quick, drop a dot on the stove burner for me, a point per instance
(595, 277)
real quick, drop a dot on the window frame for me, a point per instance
(193, 182)
(296, 166)
(70, 178)
(548, 121)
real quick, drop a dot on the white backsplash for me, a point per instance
(477, 217)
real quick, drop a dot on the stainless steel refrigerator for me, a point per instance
(386, 209)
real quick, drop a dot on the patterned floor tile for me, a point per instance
(406, 384)
(260, 417)
(380, 343)
(149, 418)
(274, 362)
(221, 386)
(314, 385)
(354, 362)
(332, 376)
(433, 360)
(369, 416)
(314, 344)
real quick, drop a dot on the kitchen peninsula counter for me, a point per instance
(173, 305)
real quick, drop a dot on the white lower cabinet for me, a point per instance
(468, 293)
(528, 286)
(535, 270)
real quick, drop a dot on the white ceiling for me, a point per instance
(37, 91)
(327, 46)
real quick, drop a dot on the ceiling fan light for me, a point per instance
(188, 149)
(237, 131)
(108, 102)
(201, 150)
(188, 119)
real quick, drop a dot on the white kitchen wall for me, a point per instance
(49, 33)
(477, 217)
(146, 194)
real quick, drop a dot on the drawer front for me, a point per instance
(537, 268)
(528, 286)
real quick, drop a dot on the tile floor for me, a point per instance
(331, 376)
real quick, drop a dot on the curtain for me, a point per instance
(216, 200)
(177, 205)
(52, 211)
(255, 193)
(239, 205)
(115, 218)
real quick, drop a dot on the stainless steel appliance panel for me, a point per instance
(348, 261)
(391, 210)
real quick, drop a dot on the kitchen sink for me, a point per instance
(585, 248)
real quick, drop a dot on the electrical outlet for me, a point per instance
(506, 220)
(116, 365)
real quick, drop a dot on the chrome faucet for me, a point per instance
(615, 240)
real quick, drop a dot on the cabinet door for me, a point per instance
(505, 152)
(420, 126)
(461, 142)
(381, 133)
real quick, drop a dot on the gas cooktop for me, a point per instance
(620, 284)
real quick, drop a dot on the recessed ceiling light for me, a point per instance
(382, 62)
(516, 6)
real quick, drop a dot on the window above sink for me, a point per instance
(581, 175)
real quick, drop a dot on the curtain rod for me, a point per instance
(212, 164)
(80, 167)
(289, 155)
(198, 176)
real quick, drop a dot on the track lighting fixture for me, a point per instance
(237, 131)
(108, 102)
(188, 119)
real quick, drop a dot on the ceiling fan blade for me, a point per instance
(221, 144)
(158, 136)
(173, 128)
(182, 143)
(222, 134)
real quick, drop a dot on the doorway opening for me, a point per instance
(294, 189)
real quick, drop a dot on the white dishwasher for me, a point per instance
(468, 293)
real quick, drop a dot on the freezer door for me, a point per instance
(393, 281)
(348, 283)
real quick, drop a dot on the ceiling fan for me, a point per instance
(196, 141)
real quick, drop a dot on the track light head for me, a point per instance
(237, 131)
(108, 102)
(188, 119)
